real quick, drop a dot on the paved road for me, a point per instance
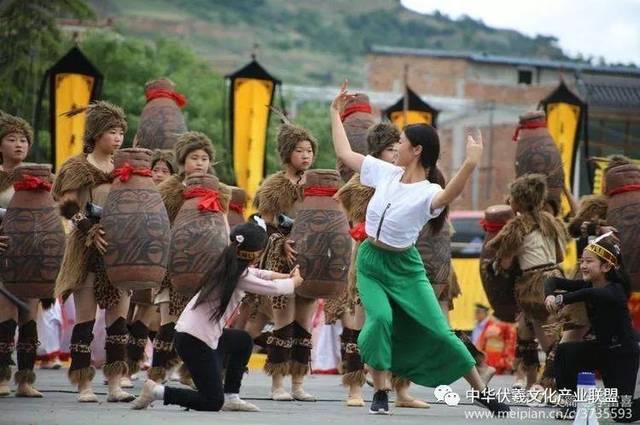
(59, 407)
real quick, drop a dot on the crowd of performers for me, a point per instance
(393, 313)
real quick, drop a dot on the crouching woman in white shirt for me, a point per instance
(405, 331)
(202, 341)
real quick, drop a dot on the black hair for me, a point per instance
(220, 281)
(617, 274)
(426, 136)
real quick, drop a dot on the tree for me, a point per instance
(29, 42)
(128, 63)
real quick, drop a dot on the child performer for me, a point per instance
(201, 339)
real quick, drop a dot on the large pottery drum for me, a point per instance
(161, 121)
(31, 263)
(356, 118)
(537, 153)
(236, 206)
(435, 250)
(199, 233)
(136, 224)
(622, 184)
(321, 235)
(499, 289)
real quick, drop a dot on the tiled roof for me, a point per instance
(505, 60)
(609, 92)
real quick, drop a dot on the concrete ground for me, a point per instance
(60, 407)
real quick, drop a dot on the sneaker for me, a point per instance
(380, 403)
(488, 400)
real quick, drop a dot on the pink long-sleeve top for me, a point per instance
(197, 321)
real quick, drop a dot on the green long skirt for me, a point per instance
(404, 330)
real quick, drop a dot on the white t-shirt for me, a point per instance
(406, 206)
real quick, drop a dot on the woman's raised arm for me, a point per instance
(341, 144)
(455, 187)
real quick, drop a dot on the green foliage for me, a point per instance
(321, 41)
(29, 42)
(128, 63)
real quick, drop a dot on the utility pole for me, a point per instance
(405, 101)
(489, 144)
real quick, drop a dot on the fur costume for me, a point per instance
(191, 141)
(616, 161)
(277, 195)
(5, 181)
(592, 208)
(77, 174)
(12, 124)
(289, 135)
(171, 191)
(380, 136)
(102, 116)
(511, 237)
(167, 157)
(435, 251)
(528, 193)
(354, 198)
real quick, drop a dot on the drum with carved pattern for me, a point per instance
(199, 233)
(622, 185)
(321, 235)
(357, 119)
(536, 152)
(136, 224)
(161, 120)
(31, 263)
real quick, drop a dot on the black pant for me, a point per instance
(618, 366)
(205, 365)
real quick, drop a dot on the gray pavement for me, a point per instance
(60, 407)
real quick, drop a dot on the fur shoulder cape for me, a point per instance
(225, 196)
(592, 207)
(5, 180)
(78, 173)
(511, 237)
(277, 195)
(355, 197)
(171, 191)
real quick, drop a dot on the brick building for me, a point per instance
(490, 92)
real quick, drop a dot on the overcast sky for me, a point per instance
(608, 28)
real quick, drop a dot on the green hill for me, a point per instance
(310, 41)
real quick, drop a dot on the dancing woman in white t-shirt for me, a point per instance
(405, 331)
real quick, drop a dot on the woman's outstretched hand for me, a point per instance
(341, 98)
(474, 149)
